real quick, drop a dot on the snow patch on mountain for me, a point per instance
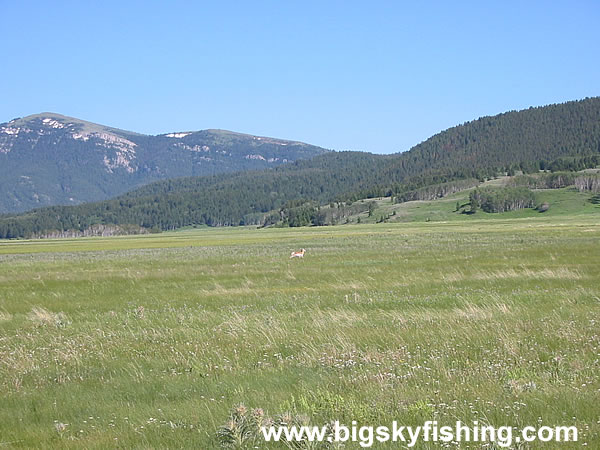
(259, 157)
(192, 148)
(10, 130)
(83, 137)
(53, 123)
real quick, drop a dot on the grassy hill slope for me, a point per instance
(563, 202)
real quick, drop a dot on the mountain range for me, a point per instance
(50, 159)
(561, 136)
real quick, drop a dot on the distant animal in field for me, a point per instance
(299, 254)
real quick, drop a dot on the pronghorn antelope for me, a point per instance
(299, 254)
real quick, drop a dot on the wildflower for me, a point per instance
(241, 410)
(60, 427)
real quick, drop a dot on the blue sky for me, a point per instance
(349, 75)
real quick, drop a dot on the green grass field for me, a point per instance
(565, 202)
(150, 341)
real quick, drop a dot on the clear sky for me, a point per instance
(377, 76)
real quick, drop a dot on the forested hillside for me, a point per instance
(562, 136)
(535, 134)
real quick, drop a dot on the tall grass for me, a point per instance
(152, 341)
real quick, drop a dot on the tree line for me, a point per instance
(565, 136)
(497, 200)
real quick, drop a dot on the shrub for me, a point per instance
(543, 207)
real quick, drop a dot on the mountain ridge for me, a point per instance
(98, 126)
(563, 137)
(50, 159)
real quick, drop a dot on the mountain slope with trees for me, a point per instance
(565, 135)
(49, 159)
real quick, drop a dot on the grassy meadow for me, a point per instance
(151, 341)
(564, 202)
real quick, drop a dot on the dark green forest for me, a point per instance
(562, 137)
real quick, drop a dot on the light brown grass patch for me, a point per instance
(43, 317)
(545, 274)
